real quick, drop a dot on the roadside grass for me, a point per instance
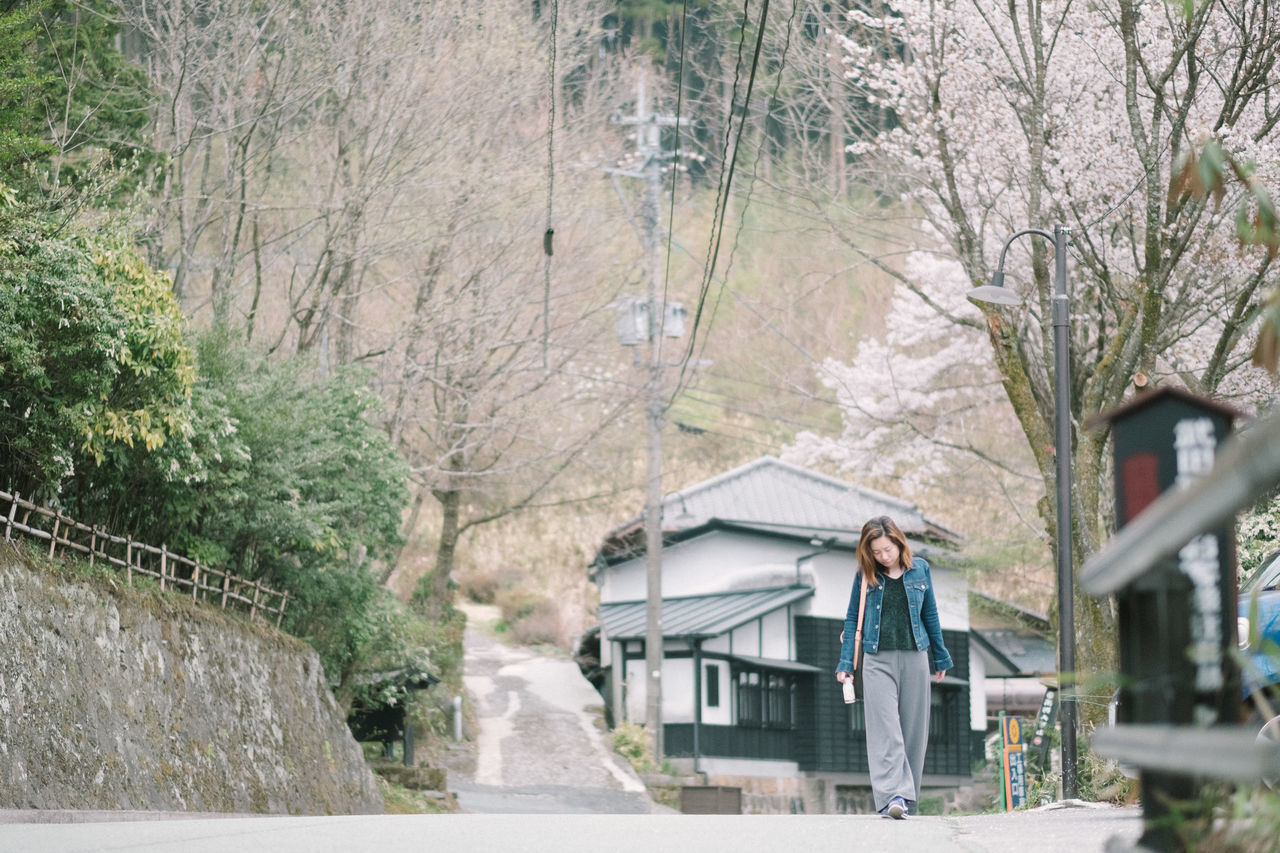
(398, 799)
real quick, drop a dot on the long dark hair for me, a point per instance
(871, 531)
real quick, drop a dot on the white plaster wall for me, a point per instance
(618, 686)
(832, 575)
(677, 690)
(723, 714)
(717, 561)
(717, 644)
(776, 635)
(951, 588)
(746, 639)
(635, 690)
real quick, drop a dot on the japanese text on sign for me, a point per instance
(1195, 444)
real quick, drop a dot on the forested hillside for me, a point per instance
(328, 293)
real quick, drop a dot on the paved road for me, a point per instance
(1065, 830)
(540, 746)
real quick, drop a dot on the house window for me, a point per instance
(712, 682)
(937, 717)
(779, 698)
(766, 700)
(749, 704)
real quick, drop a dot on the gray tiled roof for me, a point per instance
(1025, 652)
(699, 615)
(770, 491)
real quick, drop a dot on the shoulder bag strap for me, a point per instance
(862, 612)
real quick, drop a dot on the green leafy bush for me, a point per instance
(93, 363)
(286, 479)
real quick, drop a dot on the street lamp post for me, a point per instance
(996, 292)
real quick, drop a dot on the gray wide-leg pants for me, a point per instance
(895, 685)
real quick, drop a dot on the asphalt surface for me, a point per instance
(1070, 830)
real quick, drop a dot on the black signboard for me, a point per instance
(1177, 622)
(1165, 439)
(1039, 744)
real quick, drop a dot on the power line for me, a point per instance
(724, 284)
(1146, 175)
(722, 190)
(755, 171)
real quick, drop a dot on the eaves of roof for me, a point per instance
(825, 537)
(698, 616)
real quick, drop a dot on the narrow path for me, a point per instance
(540, 744)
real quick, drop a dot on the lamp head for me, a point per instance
(995, 292)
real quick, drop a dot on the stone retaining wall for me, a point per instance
(119, 698)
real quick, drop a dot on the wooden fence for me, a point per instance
(174, 572)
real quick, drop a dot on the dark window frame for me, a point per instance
(766, 699)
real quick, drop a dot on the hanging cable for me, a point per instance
(746, 201)
(726, 184)
(549, 233)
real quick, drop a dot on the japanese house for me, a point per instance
(757, 567)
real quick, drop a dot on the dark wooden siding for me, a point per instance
(730, 741)
(950, 744)
(825, 739)
(827, 742)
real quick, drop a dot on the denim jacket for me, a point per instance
(922, 606)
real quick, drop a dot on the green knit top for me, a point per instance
(895, 619)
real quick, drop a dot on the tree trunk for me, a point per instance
(410, 525)
(440, 600)
(1097, 659)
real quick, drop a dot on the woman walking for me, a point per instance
(901, 645)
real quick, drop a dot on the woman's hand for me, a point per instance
(938, 676)
(843, 676)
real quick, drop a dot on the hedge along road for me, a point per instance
(540, 744)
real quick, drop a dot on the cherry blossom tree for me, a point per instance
(1028, 114)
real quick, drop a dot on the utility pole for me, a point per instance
(650, 321)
